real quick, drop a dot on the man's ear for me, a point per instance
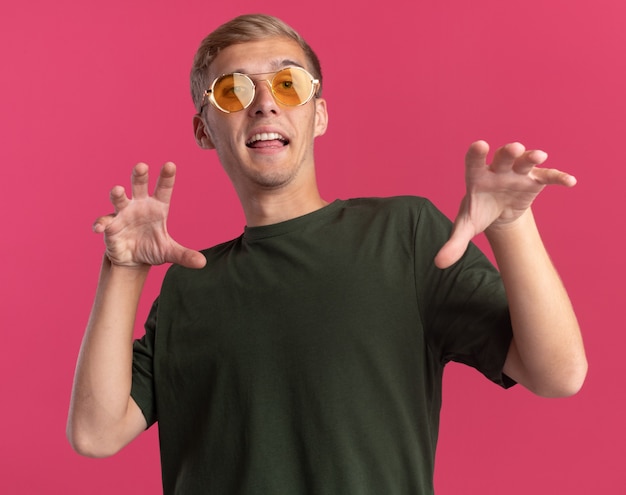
(201, 132)
(321, 117)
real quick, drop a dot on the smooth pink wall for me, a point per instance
(87, 89)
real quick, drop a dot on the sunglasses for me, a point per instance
(291, 86)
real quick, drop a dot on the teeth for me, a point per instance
(266, 136)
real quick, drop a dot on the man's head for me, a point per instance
(242, 29)
(259, 84)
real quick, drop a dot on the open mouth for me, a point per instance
(267, 140)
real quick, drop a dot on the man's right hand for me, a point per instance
(136, 233)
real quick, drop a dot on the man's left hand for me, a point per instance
(497, 194)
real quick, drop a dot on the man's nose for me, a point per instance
(264, 101)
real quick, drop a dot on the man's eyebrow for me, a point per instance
(288, 62)
(275, 65)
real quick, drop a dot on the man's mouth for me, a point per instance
(267, 140)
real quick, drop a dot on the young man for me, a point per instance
(306, 356)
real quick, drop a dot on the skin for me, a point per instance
(278, 183)
(547, 354)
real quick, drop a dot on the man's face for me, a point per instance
(267, 145)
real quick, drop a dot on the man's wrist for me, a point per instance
(520, 224)
(134, 270)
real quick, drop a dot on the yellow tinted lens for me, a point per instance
(233, 92)
(292, 86)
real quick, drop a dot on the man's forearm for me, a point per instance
(547, 355)
(100, 417)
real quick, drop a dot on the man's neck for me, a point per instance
(270, 207)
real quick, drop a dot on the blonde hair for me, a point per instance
(249, 27)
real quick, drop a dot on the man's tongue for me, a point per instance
(272, 143)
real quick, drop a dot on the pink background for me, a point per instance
(87, 89)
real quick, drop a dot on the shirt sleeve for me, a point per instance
(142, 390)
(465, 310)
